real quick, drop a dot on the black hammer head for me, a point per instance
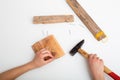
(75, 49)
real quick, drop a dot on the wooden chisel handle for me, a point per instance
(106, 69)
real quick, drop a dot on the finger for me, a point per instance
(101, 60)
(40, 51)
(51, 55)
(46, 55)
(47, 58)
(98, 58)
(50, 60)
(91, 56)
(94, 56)
(46, 52)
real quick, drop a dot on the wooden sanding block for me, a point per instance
(51, 44)
(86, 19)
(52, 19)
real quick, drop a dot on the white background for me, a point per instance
(18, 33)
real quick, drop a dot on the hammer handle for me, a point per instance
(106, 69)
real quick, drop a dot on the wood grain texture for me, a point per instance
(86, 19)
(51, 44)
(52, 19)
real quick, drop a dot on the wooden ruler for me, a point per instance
(52, 19)
(86, 19)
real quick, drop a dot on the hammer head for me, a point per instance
(75, 49)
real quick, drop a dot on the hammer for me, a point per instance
(77, 48)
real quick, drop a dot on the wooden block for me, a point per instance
(51, 44)
(52, 19)
(86, 19)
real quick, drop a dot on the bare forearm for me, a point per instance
(38, 61)
(16, 72)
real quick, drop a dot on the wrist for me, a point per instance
(100, 77)
(32, 65)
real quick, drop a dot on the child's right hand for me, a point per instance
(96, 66)
(42, 57)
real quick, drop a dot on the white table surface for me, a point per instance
(18, 33)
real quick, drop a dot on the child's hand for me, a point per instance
(96, 66)
(42, 57)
